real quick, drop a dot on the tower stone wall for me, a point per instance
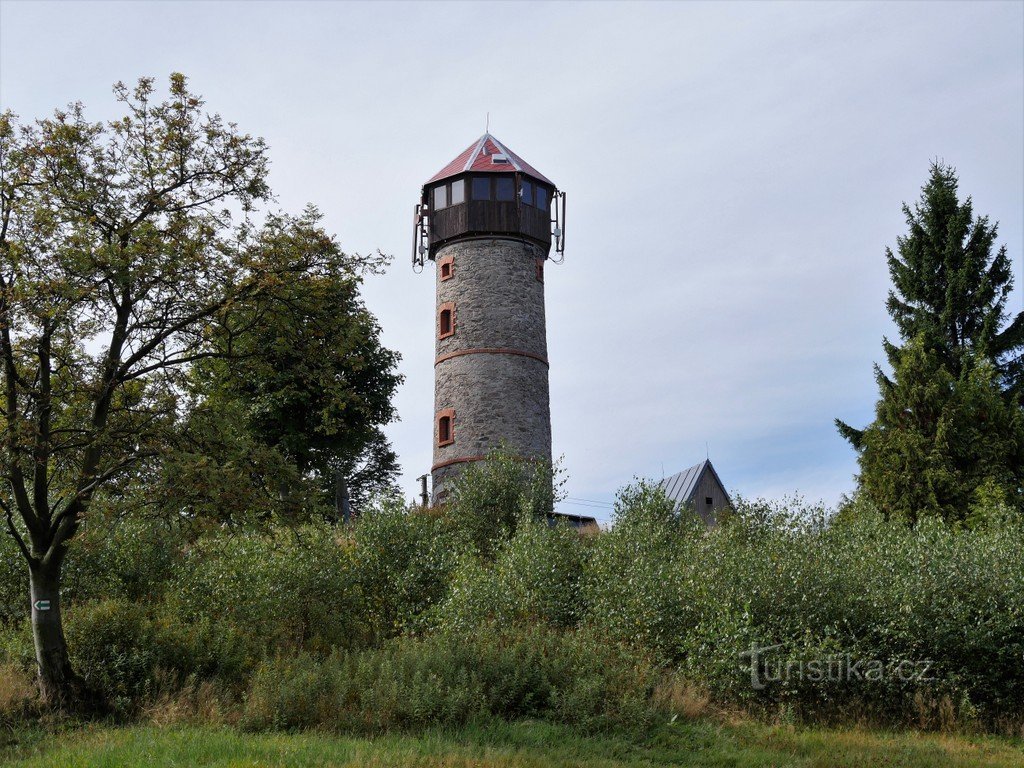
(491, 371)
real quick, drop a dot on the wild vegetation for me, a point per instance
(410, 619)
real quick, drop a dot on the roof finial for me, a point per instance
(487, 125)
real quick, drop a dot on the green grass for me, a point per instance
(519, 745)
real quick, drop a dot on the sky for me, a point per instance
(734, 172)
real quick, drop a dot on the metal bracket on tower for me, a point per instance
(420, 238)
(558, 224)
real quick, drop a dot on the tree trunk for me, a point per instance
(59, 686)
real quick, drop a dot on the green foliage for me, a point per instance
(129, 559)
(535, 578)
(14, 602)
(400, 620)
(127, 652)
(490, 497)
(640, 584)
(304, 361)
(949, 423)
(404, 560)
(950, 289)
(293, 587)
(453, 679)
(940, 444)
(859, 585)
(162, 353)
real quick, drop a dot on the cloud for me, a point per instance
(734, 173)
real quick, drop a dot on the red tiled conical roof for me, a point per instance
(479, 157)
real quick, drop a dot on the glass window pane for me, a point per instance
(542, 197)
(458, 192)
(481, 188)
(505, 188)
(440, 197)
(527, 193)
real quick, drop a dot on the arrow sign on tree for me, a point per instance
(41, 605)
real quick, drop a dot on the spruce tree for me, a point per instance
(941, 443)
(958, 346)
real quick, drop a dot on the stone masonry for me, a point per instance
(492, 370)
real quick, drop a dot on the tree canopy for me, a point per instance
(134, 255)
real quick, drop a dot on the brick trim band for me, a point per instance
(442, 464)
(489, 351)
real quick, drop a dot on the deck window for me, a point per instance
(526, 193)
(440, 197)
(458, 192)
(445, 431)
(505, 188)
(481, 188)
(541, 197)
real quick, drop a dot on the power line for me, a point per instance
(591, 501)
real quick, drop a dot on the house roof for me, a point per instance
(478, 156)
(681, 486)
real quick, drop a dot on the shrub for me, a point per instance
(450, 680)
(130, 559)
(403, 561)
(535, 577)
(291, 588)
(14, 601)
(490, 497)
(854, 591)
(642, 585)
(128, 652)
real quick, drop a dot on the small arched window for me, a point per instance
(446, 320)
(446, 427)
(540, 270)
(447, 267)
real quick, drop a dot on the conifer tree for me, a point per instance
(923, 454)
(938, 442)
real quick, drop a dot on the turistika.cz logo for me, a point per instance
(832, 668)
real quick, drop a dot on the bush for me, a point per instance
(290, 588)
(404, 560)
(450, 680)
(127, 651)
(858, 592)
(535, 578)
(643, 585)
(14, 602)
(490, 497)
(130, 559)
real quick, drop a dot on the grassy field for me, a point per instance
(522, 745)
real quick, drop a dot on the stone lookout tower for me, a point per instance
(487, 220)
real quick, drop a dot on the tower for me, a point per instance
(486, 220)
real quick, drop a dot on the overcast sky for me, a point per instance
(734, 173)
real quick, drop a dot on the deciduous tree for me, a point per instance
(127, 250)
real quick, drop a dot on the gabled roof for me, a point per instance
(681, 486)
(477, 157)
